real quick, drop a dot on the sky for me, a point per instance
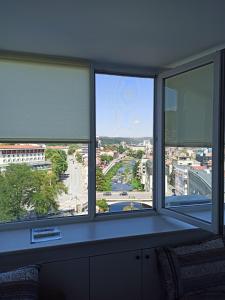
(124, 106)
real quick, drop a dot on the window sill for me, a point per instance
(104, 230)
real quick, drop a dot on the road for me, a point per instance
(112, 163)
(140, 197)
(76, 182)
(131, 196)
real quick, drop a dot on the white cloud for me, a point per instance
(136, 122)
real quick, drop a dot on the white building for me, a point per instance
(181, 179)
(146, 173)
(33, 155)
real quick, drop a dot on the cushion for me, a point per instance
(20, 284)
(193, 269)
(216, 293)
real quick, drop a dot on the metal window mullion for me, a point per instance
(92, 151)
(222, 123)
(217, 210)
(159, 151)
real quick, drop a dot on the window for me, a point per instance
(57, 186)
(188, 142)
(48, 104)
(174, 171)
(124, 152)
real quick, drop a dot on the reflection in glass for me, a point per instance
(188, 142)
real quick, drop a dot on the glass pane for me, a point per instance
(124, 153)
(43, 181)
(188, 142)
(44, 100)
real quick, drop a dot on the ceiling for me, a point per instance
(144, 33)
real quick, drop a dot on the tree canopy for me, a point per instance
(58, 159)
(106, 158)
(79, 157)
(72, 149)
(24, 191)
(103, 205)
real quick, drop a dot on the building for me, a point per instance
(33, 155)
(148, 183)
(136, 147)
(181, 180)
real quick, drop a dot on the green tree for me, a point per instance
(49, 187)
(58, 159)
(23, 190)
(136, 184)
(139, 154)
(135, 168)
(79, 157)
(106, 158)
(72, 149)
(100, 180)
(121, 149)
(130, 152)
(103, 205)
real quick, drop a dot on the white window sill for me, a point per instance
(80, 233)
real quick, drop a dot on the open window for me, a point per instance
(188, 103)
(124, 143)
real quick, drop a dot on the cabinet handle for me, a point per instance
(147, 256)
(138, 257)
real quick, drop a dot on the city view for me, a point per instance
(124, 170)
(188, 174)
(48, 180)
(43, 180)
(124, 152)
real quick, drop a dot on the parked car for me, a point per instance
(107, 194)
(124, 193)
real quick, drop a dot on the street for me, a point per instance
(130, 196)
(76, 182)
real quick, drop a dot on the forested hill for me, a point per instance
(106, 140)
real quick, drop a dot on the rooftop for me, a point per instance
(15, 147)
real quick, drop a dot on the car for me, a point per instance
(123, 193)
(107, 194)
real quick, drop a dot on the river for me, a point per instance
(119, 182)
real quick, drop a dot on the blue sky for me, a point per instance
(124, 106)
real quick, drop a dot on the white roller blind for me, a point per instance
(42, 101)
(189, 108)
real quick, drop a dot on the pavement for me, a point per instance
(76, 182)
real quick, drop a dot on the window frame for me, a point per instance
(217, 197)
(94, 68)
(158, 144)
(129, 72)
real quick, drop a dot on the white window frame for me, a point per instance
(129, 72)
(217, 196)
(158, 146)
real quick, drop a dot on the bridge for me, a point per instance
(131, 196)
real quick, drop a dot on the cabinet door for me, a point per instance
(152, 285)
(65, 280)
(116, 276)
